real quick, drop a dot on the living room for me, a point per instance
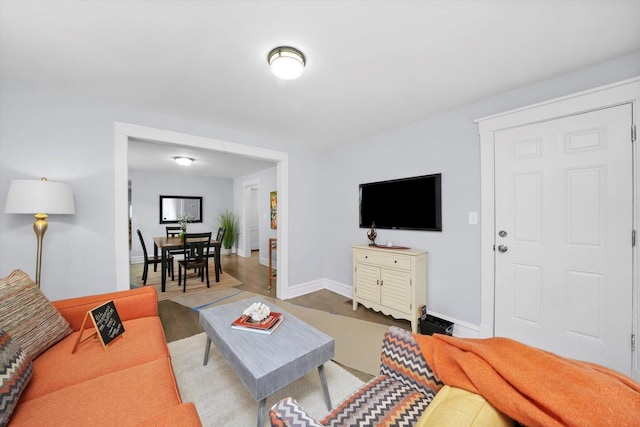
(66, 128)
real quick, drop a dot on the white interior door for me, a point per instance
(254, 219)
(564, 218)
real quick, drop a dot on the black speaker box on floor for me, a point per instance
(430, 325)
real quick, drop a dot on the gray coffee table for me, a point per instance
(266, 363)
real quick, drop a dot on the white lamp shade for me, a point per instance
(33, 197)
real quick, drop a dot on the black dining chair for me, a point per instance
(173, 230)
(155, 260)
(176, 254)
(214, 248)
(195, 252)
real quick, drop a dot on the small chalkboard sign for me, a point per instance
(107, 323)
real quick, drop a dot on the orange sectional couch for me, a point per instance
(132, 384)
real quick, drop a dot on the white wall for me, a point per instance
(146, 187)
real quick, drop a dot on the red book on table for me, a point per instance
(245, 321)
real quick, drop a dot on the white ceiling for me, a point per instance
(154, 156)
(372, 66)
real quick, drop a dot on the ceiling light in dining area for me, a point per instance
(183, 161)
(286, 62)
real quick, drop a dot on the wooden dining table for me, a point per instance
(164, 244)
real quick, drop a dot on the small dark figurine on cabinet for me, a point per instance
(372, 234)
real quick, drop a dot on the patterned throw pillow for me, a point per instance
(15, 372)
(28, 316)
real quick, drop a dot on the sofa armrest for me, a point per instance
(288, 412)
(131, 304)
(402, 359)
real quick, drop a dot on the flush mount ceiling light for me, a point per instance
(183, 161)
(286, 62)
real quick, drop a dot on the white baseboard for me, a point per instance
(460, 329)
(318, 285)
(305, 288)
(339, 288)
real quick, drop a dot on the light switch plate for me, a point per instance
(473, 218)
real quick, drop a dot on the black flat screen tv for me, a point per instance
(404, 204)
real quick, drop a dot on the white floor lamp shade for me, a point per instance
(40, 199)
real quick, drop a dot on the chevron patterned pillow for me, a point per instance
(15, 372)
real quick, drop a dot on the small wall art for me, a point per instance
(274, 209)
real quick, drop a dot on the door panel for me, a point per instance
(368, 286)
(396, 289)
(527, 292)
(564, 261)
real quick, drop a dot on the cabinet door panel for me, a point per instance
(368, 283)
(396, 290)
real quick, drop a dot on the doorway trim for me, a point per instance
(624, 92)
(125, 131)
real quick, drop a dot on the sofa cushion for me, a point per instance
(184, 414)
(121, 398)
(15, 372)
(28, 316)
(457, 407)
(142, 342)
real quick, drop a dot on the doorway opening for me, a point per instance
(124, 132)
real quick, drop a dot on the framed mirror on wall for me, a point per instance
(173, 207)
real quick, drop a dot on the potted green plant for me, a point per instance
(229, 221)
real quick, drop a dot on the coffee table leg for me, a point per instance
(206, 352)
(323, 380)
(261, 407)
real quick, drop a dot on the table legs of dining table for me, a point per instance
(163, 263)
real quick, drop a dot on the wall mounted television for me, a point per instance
(403, 204)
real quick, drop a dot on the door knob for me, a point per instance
(503, 248)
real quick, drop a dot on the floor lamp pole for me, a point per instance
(40, 227)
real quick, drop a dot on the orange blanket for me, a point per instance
(534, 387)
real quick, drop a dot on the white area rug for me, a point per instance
(221, 398)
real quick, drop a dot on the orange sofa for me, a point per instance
(131, 384)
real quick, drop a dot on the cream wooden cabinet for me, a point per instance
(392, 281)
